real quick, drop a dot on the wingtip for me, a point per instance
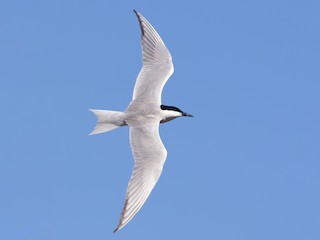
(136, 12)
(117, 228)
(139, 19)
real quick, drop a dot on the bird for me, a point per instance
(143, 116)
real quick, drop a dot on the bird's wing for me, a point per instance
(149, 154)
(157, 65)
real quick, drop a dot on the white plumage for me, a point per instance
(143, 116)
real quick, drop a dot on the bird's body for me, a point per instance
(143, 115)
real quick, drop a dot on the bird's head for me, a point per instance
(171, 112)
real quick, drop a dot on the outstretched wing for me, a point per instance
(149, 154)
(157, 65)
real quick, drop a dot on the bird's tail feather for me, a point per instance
(107, 120)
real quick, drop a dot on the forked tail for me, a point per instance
(107, 120)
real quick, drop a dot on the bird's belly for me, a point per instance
(137, 119)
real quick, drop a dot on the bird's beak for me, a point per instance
(187, 115)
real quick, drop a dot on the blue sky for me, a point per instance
(245, 167)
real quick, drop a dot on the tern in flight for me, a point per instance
(143, 115)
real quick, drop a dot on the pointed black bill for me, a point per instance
(186, 114)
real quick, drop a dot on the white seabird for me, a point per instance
(143, 115)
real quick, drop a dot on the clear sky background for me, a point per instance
(245, 167)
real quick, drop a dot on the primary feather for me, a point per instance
(157, 65)
(149, 155)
